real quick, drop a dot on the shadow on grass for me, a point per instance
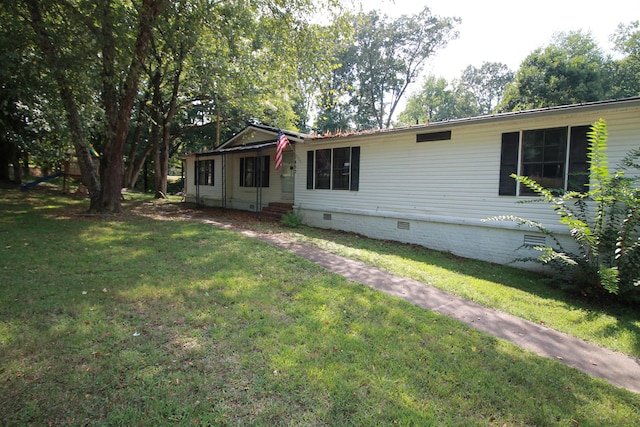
(532, 283)
(134, 321)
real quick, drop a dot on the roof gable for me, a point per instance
(257, 137)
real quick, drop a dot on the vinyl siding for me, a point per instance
(445, 189)
(243, 198)
(456, 178)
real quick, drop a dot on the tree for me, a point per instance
(486, 84)
(627, 70)
(336, 87)
(476, 92)
(116, 45)
(435, 101)
(30, 129)
(222, 59)
(374, 70)
(573, 69)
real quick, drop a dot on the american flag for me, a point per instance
(283, 142)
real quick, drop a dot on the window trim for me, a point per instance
(261, 174)
(574, 164)
(353, 180)
(209, 172)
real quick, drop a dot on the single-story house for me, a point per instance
(432, 184)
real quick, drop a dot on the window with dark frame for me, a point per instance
(323, 169)
(204, 172)
(543, 158)
(341, 168)
(334, 169)
(556, 158)
(254, 171)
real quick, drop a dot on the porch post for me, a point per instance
(259, 184)
(224, 181)
(197, 179)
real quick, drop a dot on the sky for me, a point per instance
(508, 30)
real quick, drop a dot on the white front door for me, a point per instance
(287, 174)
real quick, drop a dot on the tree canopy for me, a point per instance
(478, 91)
(375, 66)
(157, 61)
(573, 69)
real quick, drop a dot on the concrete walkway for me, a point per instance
(618, 369)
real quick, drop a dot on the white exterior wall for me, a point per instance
(444, 189)
(208, 195)
(243, 198)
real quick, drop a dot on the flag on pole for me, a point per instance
(282, 143)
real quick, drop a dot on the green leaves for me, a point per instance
(603, 221)
(571, 70)
(384, 57)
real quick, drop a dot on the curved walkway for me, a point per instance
(617, 368)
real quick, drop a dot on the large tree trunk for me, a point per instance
(118, 119)
(6, 149)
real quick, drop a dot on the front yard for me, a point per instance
(129, 320)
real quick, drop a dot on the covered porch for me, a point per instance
(242, 173)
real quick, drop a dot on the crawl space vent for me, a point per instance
(532, 240)
(403, 225)
(326, 217)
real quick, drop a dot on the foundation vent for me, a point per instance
(326, 217)
(533, 240)
(403, 225)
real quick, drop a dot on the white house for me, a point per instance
(241, 173)
(431, 185)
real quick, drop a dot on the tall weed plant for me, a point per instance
(603, 221)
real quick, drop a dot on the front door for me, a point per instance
(287, 174)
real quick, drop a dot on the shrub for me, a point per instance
(604, 222)
(293, 219)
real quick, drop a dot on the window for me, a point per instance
(254, 171)
(323, 169)
(334, 169)
(555, 157)
(204, 172)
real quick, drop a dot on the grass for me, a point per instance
(128, 320)
(511, 290)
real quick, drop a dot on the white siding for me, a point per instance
(209, 195)
(243, 198)
(446, 188)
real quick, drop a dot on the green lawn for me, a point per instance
(129, 320)
(508, 289)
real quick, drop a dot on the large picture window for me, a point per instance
(555, 157)
(334, 169)
(254, 171)
(204, 172)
